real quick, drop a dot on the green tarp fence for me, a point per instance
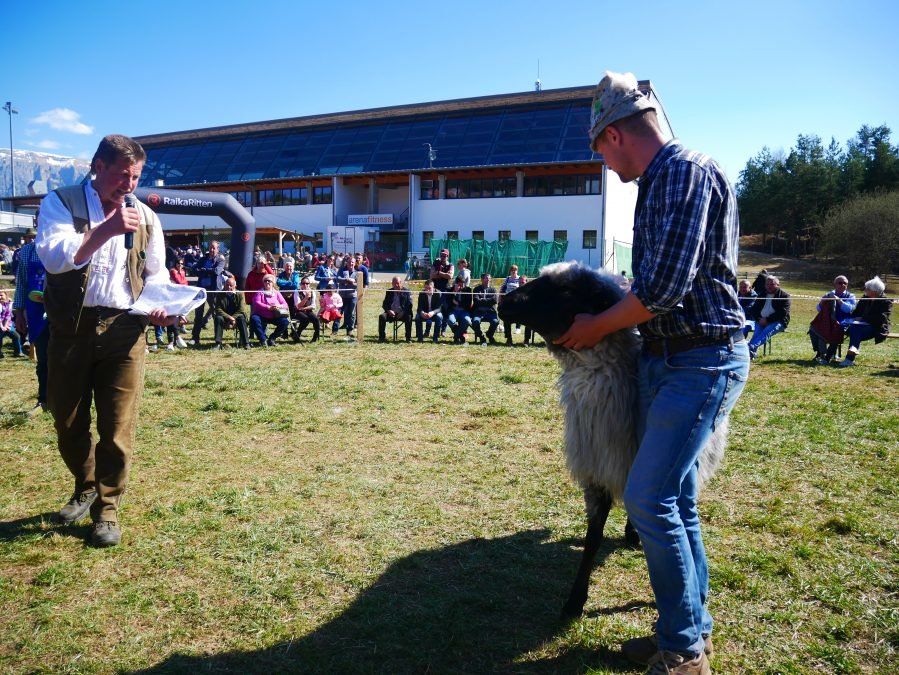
(622, 258)
(495, 257)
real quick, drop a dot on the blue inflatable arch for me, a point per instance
(189, 203)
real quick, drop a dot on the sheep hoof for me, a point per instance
(572, 611)
(631, 537)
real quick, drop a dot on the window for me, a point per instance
(426, 237)
(557, 186)
(319, 240)
(560, 235)
(285, 197)
(481, 188)
(531, 235)
(430, 189)
(321, 194)
(589, 239)
(452, 234)
(244, 197)
(477, 235)
(504, 235)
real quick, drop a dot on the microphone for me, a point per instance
(130, 202)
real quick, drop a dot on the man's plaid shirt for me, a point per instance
(686, 238)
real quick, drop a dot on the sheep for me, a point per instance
(598, 393)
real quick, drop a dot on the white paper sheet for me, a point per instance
(173, 298)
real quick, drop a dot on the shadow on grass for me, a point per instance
(39, 526)
(480, 606)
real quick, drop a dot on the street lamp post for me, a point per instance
(12, 162)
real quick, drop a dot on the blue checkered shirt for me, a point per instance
(686, 239)
(27, 254)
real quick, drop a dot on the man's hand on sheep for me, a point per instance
(588, 330)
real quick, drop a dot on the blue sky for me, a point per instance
(733, 76)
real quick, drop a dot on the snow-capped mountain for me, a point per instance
(41, 170)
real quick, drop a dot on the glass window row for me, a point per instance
(283, 197)
(511, 136)
(534, 186)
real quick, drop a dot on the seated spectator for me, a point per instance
(459, 302)
(254, 278)
(230, 312)
(288, 282)
(177, 275)
(512, 282)
(305, 307)
(7, 327)
(759, 285)
(397, 306)
(268, 306)
(747, 296)
(331, 304)
(870, 320)
(770, 315)
(825, 330)
(429, 312)
(484, 309)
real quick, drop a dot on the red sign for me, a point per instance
(153, 199)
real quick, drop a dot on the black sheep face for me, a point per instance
(549, 303)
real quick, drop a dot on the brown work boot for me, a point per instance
(77, 507)
(642, 649)
(672, 663)
(106, 533)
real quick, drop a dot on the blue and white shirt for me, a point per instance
(686, 240)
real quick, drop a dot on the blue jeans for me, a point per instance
(858, 333)
(763, 334)
(682, 398)
(488, 315)
(349, 313)
(459, 321)
(258, 326)
(436, 320)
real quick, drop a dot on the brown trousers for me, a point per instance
(102, 362)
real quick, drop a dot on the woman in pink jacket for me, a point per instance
(269, 306)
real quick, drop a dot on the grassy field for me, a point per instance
(344, 508)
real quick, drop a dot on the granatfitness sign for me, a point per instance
(371, 219)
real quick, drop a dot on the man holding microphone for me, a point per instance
(96, 349)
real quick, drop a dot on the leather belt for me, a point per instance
(103, 313)
(663, 346)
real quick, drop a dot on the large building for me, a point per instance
(510, 166)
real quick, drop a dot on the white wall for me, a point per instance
(393, 201)
(304, 219)
(544, 214)
(621, 198)
(349, 200)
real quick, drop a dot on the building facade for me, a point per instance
(511, 166)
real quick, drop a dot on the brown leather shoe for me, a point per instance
(672, 663)
(77, 507)
(642, 649)
(106, 533)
